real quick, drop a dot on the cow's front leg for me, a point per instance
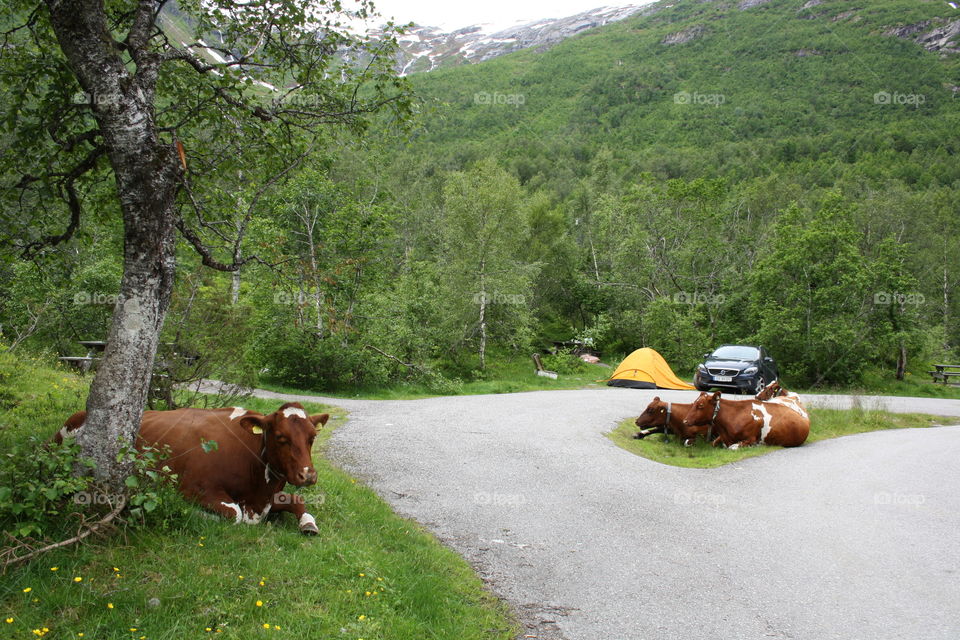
(748, 442)
(643, 433)
(293, 503)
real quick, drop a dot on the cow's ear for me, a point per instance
(320, 419)
(716, 395)
(254, 424)
(657, 399)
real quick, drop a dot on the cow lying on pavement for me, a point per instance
(243, 475)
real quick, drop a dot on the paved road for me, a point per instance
(849, 538)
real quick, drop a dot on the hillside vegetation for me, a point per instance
(778, 172)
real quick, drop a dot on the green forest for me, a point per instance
(784, 174)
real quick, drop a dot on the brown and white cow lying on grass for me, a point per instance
(667, 417)
(243, 476)
(781, 420)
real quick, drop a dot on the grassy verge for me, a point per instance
(825, 423)
(516, 374)
(369, 573)
(502, 376)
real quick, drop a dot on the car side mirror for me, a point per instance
(706, 355)
(768, 359)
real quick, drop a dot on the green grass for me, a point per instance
(516, 374)
(502, 376)
(368, 574)
(825, 424)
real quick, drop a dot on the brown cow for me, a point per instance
(243, 475)
(661, 417)
(772, 390)
(781, 421)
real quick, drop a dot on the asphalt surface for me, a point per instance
(850, 538)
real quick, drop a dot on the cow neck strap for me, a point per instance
(713, 419)
(270, 472)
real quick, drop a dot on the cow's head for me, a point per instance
(703, 410)
(772, 390)
(655, 415)
(288, 435)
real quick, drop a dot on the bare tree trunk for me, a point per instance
(946, 308)
(237, 254)
(235, 283)
(901, 360)
(146, 174)
(483, 318)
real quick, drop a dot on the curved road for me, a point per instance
(850, 538)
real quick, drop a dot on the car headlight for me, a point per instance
(750, 371)
(701, 368)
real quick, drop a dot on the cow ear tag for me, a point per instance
(256, 429)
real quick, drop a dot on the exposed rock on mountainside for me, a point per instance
(941, 38)
(428, 48)
(686, 35)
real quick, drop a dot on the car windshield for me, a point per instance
(736, 353)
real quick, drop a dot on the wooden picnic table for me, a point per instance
(84, 363)
(942, 373)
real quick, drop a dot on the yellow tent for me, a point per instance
(646, 369)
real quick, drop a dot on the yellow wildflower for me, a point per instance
(28, 590)
(259, 603)
(77, 579)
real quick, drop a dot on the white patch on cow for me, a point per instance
(236, 509)
(307, 518)
(294, 411)
(65, 432)
(792, 403)
(767, 418)
(257, 517)
(266, 473)
(244, 516)
(735, 446)
(238, 412)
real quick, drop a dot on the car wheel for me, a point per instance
(759, 385)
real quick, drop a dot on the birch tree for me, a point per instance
(486, 276)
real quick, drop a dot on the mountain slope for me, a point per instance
(426, 48)
(704, 87)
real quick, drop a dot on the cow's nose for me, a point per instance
(307, 477)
